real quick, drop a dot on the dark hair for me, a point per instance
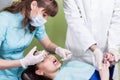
(50, 6)
(29, 74)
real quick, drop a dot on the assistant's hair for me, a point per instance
(50, 6)
(29, 74)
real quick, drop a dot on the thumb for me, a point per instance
(41, 56)
(32, 50)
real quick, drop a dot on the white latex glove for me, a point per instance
(99, 58)
(64, 53)
(104, 72)
(31, 59)
(115, 54)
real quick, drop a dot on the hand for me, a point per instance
(110, 58)
(64, 53)
(115, 53)
(31, 59)
(104, 72)
(98, 57)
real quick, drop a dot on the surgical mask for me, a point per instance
(38, 21)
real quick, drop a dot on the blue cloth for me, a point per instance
(111, 70)
(14, 40)
(75, 70)
(96, 75)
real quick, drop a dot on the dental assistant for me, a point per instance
(19, 24)
(93, 30)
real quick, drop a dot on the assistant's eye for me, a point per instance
(45, 15)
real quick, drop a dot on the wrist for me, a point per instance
(57, 50)
(115, 53)
(93, 47)
(22, 63)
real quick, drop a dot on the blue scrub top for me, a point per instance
(14, 40)
(75, 70)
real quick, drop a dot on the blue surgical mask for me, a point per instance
(38, 21)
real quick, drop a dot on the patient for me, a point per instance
(52, 69)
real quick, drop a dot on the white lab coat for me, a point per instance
(90, 22)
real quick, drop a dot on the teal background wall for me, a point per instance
(56, 29)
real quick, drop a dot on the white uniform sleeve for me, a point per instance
(77, 24)
(114, 31)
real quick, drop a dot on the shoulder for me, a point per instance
(62, 77)
(77, 64)
(5, 14)
(5, 17)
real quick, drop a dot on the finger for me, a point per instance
(69, 52)
(69, 56)
(105, 60)
(64, 55)
(44, 53)
(33, 50)
(108, 64)
(63, 59)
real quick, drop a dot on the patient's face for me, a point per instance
(50, 64)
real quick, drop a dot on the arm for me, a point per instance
(51, 47)
(29, 59)
(48, 45)
(41, 35)
(5, 64)
(114, 31)
(104, 72)
(76, 23)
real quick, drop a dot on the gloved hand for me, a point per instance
(31, 59)
(64, 53)
(99, 58)
(115, 53)
(104, 72)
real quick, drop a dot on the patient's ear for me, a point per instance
(39, 72)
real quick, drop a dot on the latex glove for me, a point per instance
(99, 58)
(104, 72)
(31, 59)
(115, 53)
(64, 53)
(110, 57)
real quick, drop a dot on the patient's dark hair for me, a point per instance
(29, 74)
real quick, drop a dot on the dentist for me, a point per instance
(93, 29)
